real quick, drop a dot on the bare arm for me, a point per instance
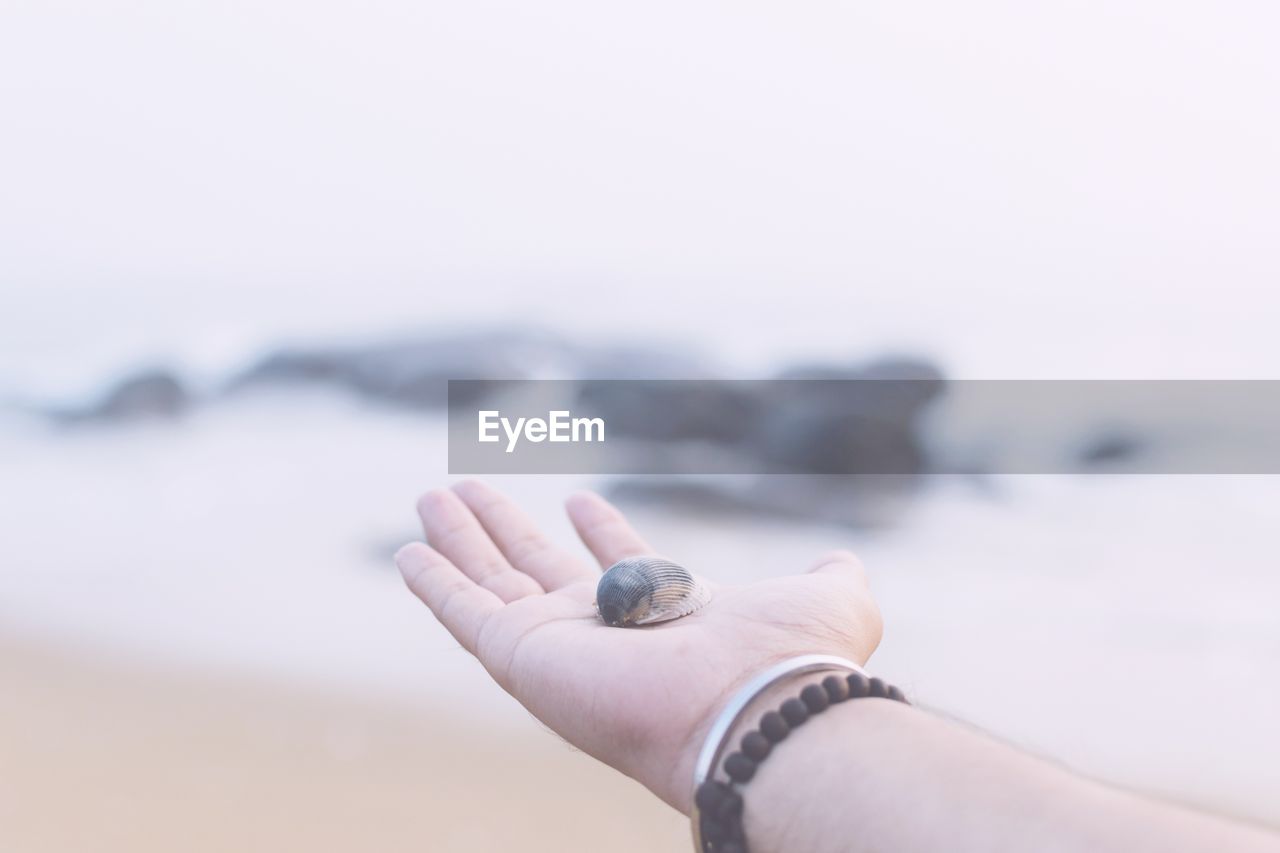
(869, 775)
(876, 775)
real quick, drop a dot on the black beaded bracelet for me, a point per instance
(718, 805)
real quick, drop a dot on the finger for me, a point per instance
(455, 533)
(843, 563)
(519, 539)
(460, 605)
(604, 529)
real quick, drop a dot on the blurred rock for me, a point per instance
(1109, 447)
(151, 394)
(859, 502)
(815, 419)
(893, 388)
(830, 441)
(721, 412)
(835, 443)
(660, 360)
(849, 420)
(885, 367)
(412, 372)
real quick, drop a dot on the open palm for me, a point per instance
(639, 699)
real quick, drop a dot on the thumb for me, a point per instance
(841, 562)
(862, 625)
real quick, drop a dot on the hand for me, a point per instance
(638, 699)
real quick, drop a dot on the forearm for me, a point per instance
(877, 775)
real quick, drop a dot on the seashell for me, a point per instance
(644, 590)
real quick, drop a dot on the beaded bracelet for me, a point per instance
(717, 806)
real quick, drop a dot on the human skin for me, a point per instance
(874, 775)
(640, 700)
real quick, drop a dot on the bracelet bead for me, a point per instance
(739, 767)
(756, 746)
(837, 688)
(774, 727)
(858, 685)
(878, 689)
(897, 695)
(794, 712)
(729, 809)
(713, 830)
(710, 793)
(815, 698)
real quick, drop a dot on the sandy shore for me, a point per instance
(100, 756)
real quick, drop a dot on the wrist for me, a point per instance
(678, 787)
(744, 733)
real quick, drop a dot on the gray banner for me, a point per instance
(863, 427)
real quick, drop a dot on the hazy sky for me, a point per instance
(1029, 189)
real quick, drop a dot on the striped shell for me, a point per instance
(644, 590)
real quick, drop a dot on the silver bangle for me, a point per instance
(714, 745)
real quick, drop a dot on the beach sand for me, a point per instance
(103, 756)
